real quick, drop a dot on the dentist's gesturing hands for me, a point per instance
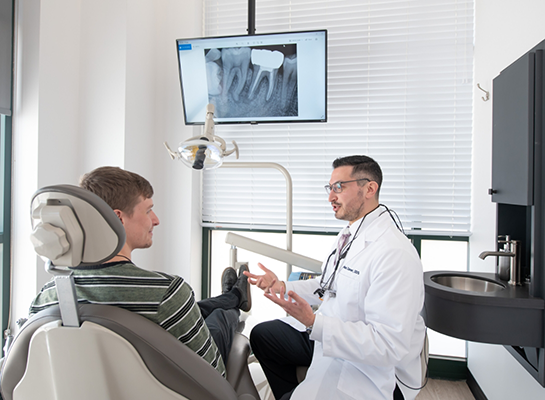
(275, 291)
(268, 282)
(295, 306)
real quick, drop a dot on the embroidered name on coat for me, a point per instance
(354, 271)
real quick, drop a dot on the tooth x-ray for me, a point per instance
(273, 77)
(251, 81)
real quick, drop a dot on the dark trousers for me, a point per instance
(221, 315)
(397, 394)
(280, 349)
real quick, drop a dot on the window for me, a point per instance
(5, 217)
(399, 90)
(6, 45)
(317, 246)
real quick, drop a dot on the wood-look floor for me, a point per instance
(435, 389)
(438, 389)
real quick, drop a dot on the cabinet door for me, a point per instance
(513, 133)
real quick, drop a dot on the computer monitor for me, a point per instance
(276, 77)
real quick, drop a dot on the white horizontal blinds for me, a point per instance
(399, 90)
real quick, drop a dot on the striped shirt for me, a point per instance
(165, 299)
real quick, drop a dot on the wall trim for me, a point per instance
(451, 368)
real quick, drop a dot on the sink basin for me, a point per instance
(469, 283)
(479, 307)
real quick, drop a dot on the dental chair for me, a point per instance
(89, 351)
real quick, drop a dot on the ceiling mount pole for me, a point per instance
(251, 17)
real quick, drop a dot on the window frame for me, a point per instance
(5, 233)
(207, 247)
(6, 135)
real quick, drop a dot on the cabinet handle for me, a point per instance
(492, 191)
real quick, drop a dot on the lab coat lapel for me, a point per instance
(374, 225)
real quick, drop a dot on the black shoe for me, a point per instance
(228, 279)
(243, 286)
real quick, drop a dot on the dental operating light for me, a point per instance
(207, 152)
(204, 151)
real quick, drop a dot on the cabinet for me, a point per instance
(518, 173)
(513, 133)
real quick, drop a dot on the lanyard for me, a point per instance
(326, 286)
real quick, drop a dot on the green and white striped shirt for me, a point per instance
(165, 299)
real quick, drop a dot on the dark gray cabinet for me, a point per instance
(513, 134)
(518, 171)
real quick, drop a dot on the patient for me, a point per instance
(206, 326)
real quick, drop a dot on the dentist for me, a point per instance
(365, 339)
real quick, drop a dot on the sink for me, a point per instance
(480, 307)
(469, 283)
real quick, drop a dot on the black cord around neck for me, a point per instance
(390, 212)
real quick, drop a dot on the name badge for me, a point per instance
(354, 271)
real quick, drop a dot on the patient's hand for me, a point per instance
(268, 282)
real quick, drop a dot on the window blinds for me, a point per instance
(399, 90)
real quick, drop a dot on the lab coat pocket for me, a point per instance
(348, 295)
(350, 381)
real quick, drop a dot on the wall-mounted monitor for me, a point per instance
(277, 77)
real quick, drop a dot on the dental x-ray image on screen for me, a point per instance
(275, 77)
(253, 81)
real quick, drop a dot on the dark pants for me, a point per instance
(221, 316)
(280, 349)
(397, 394)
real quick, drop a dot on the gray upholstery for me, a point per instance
(172, 363)
(90, 210)
(238, 374)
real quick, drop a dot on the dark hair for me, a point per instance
(119, 188)
(363, 167)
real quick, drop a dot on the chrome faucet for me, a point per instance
(510, 269)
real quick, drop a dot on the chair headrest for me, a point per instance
(74, 227)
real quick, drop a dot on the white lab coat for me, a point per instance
(372, 329)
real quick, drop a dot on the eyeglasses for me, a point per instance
(337, 186)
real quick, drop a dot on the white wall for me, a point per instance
(97, 84)
(505, 30)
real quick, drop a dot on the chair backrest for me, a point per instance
(74, 227)
(89, 351)
(113, 353)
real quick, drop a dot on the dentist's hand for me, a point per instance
(267, 282)
(295, 306)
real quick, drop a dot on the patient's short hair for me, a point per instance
(363, 167)
(119, 188)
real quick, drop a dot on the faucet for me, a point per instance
(511, 249)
